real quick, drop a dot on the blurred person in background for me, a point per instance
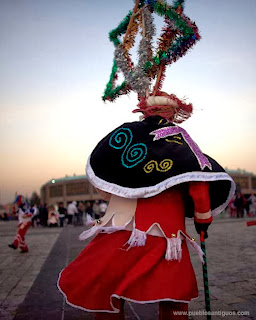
(62, 213)
(43, 214)
(53, 217)
(78, 217)
(96, 210)
(36, 217)
(24, 222)
(72, 209)
(239, 204)
(88, 208)
(232, 208)
(102, 208)
(252, 205)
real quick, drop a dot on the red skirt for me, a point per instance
(107, 270)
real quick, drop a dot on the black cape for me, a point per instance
(143, 158)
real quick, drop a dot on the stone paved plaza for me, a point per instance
(28, 281)
(19, 271)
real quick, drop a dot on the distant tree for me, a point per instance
(35, 199)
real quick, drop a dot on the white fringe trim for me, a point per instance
(138, 238)
(97, 229)
(173, 251)
(193, 245)
(89, 233)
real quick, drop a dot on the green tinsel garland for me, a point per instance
(178, 3)
(121, 29)
(188, 36)
(110, 92)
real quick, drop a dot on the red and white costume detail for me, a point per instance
(140, 253)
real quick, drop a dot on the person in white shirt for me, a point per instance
(103, 207)
(35, 218)
(71, 209)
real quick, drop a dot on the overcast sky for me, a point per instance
(56, 60)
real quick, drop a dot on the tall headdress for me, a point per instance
(146, 78)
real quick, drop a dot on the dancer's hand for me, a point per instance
(202, 225)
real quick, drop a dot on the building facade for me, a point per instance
(68, 189)
(245, 181)
(78, 188)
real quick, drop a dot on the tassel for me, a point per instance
(97, 229)
(173, 251)
(196, 248)
(89, 220)
(89, 233)
(137, 238)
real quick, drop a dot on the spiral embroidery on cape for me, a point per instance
(163, 166)
(132, 154)
(120, 138)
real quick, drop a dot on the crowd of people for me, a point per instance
(240, 206)
(52, 216)
(74, 214)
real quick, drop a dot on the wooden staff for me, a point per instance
(159, 75)
(131, 20)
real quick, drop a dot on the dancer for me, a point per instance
(24, 218)
(153, 175)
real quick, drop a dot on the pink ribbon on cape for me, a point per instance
(171, 131)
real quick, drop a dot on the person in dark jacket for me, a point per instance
(239, 204)
(62, 213)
